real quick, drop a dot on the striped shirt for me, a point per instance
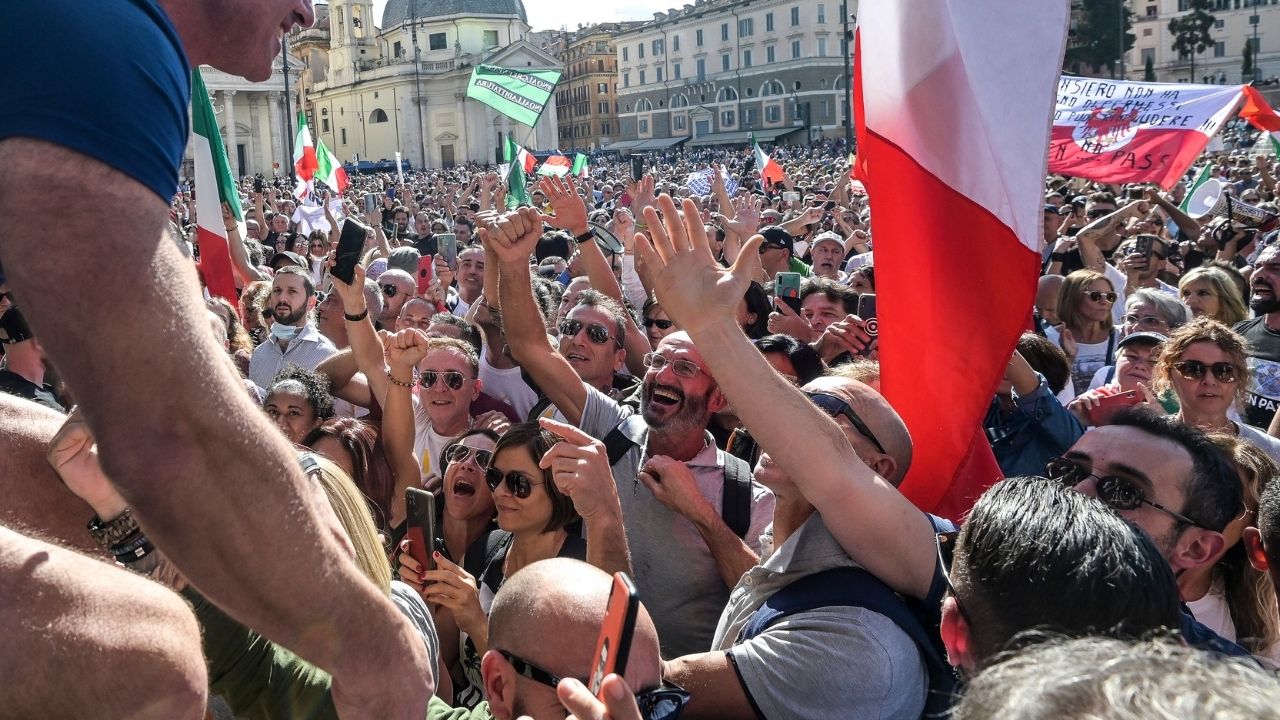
(307, 350)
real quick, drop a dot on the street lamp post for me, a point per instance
(848, 77)
(1121, 8)
(1253, 20)
(288, 109)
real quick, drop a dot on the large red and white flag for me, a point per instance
(1119, 132)
(313, 161)
(952, 130)
(214, 186)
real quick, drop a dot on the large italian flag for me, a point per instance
(313, 161)
(1258, 112)
(770, 170)
(952, 130)
(214, 186)
(1123, 132)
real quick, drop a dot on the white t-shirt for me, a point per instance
(1212, 612)
(427, 443)
(507, 385)
(1090, 357)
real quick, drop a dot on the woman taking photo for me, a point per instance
(1203, 362)
(1209, 292)
(1087, 334)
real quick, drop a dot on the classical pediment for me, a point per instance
(445, 137)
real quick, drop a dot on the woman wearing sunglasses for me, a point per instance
(656, 323)
(1203, 362)
(533, 515)
(1087, 333)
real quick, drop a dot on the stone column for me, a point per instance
(276, 133)
(229, 109)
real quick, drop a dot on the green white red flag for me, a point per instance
(579, 168)
(313, 161)
(555, 166)
(214, 187)
(1262, 116)
(521, 164)
(770, 170)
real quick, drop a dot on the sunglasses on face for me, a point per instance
(1115, 492)
(452, 379)
(663, 703)
(518, 483)
(390, 290)
(1099, 296)
(683, 368)
(1223, 372)
(1097, 213)
(460, 453)
(596, 333)
(833, 406)
(662, 324)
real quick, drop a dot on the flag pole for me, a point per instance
(288, 109)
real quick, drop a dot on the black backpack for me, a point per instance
(735, 499)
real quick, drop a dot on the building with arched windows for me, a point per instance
(373, 89)
(717, 71)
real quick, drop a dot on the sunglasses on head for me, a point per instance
(452, 379)
(459, 453)
(1099, 296)
(1115, 492)
(661, 703)
(1223, 372)
(662, 324)
(833, 406)
(518, 483)
(596, 333)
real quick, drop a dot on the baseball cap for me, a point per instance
(288, 258)
(775, 236)
(1148, 338)
(827, 236)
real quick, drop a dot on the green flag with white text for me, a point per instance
(579, 168)
(1201, 178)
(519, 94)
(517, 158)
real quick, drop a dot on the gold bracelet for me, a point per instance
(391, 378)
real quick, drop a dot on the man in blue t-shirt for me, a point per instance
(96, 124)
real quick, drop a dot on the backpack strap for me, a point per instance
(855, 587)
(626, 435)
(735, 497)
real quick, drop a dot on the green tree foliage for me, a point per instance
(1191, 31)
(1101, 36)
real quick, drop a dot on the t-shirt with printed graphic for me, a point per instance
(1264, 364)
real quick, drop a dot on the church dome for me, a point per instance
(398, 11)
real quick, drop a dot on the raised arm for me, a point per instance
(580, 466)
(513, 238)
(365, 345)
(874, 523)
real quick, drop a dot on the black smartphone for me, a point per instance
(867, 311)
(258, 185)
(350, 244)
(420, 522)
(637, 168)
(370, 203)
(1142, 245)
(786, 287)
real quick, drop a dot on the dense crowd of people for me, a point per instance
(218, 506)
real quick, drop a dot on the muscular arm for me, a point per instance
(215, 522)
(134, 645)
(345, 382)
(713, 686)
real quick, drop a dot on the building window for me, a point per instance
(702, 69)
(698, 39)
(657, 47)
(795, 16)
(724, 32)
(822, 47)
(437, 41)
(657, 73)
(604, 128)
(1146, 32)
(822, 14)
(746, 58)
(1219, 24)
(678, 122)
(768, 22)
(626, 79)
(771, 88)
(343, 132)
(726, 94)
(1152, 11)
(644, 125)
(826, 107)
(397, 49)
(641, 76)
(324, 124)
(795, 49)
(728, 119)
(746, 27)
(675, 70)
(749, 116)
(770, 54)
(624, 54)
(1148, 54)
(1220, 49)
(490, 38)
(640, 51)
(378, 116)
(675, 43)
(602, 88)
(604, 108)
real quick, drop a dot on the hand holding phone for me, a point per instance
(786, 288)
(426, 271)
(420, 520)
(1106, 407)
(867, 312)
(614, 644)
(350, 245)
(447, 245)
(637, 168)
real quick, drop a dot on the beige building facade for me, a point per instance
(1237, 22)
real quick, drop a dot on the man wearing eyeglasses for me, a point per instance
(671, 477)
(294, 340)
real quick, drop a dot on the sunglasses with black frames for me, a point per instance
(1223, 372)
(518, 483)
(832, 405)
(1114, 491)
(661, 703)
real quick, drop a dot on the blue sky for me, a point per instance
(554, 14)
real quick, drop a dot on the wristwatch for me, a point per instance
(111, 532)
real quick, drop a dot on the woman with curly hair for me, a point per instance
(298, 401)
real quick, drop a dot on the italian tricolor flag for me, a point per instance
(770, 170)
(559, 166)
(314, 161)
(1262, 116)
(214, 187)
(521, 164)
